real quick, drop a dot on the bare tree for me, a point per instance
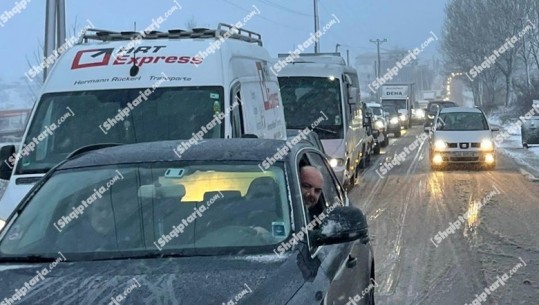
(475, 30)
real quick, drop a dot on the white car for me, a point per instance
(462, 135)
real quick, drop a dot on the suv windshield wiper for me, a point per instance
(146, 255)
(29, 259)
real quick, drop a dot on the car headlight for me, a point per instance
(379, 124)
(487, 144)
(334, 162)
(2, 224)
(394, 121)
(440, 145)
(402, 117)
(430, 116)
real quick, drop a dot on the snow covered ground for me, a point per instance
(528, 159)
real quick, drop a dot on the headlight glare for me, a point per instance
(487, 144)
(440, 145)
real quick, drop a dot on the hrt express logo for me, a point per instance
(138, 56)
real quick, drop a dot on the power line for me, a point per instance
(263, 18)
(275, 5)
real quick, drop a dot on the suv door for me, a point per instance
(344, 264)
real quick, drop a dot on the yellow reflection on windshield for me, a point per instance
(200, 182)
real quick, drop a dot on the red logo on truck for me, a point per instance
(141, 56)
(92, 58)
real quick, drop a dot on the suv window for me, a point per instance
(331, 194)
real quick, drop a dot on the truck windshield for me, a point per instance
(66, 121)
(398, 104)
(306, 99)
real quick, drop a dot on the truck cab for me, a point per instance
(321, 84)
(131, 87)
(402, 97)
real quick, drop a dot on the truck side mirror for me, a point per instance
(353, 94)
(7, 154)
(367, 121)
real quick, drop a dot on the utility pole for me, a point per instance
(378, 42)
(55, 28)
(316, 26)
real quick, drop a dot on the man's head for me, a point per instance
(311, 185)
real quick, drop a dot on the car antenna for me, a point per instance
(134, 69)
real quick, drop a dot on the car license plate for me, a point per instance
(464, 154)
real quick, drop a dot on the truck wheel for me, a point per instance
(386, 141)
(523, 138)
(398, 134)
(363, 160)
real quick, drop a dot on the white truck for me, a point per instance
(315, 84)
(125, 87)
(402, 98)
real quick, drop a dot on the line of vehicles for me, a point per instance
(129, 107)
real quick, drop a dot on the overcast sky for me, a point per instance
(283, 24)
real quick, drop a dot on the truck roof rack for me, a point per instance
(327, 58)
(222, 28)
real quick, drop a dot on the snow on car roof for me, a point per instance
(460, 109)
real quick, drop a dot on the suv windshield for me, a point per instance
(146, 208)
(304, 98)
(461, 121)
(66, 121)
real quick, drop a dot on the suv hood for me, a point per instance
(462, 136)
(187, 280)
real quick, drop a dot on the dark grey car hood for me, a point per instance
(187, 280)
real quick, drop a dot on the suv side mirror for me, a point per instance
(343, 224)
(7, 154)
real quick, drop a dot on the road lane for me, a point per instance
(409, 205)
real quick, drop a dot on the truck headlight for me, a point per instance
(379, 124)
(394, 121)
(334, 162)
(440, 145)
(487, 144)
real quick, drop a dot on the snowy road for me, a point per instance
(411, 204)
